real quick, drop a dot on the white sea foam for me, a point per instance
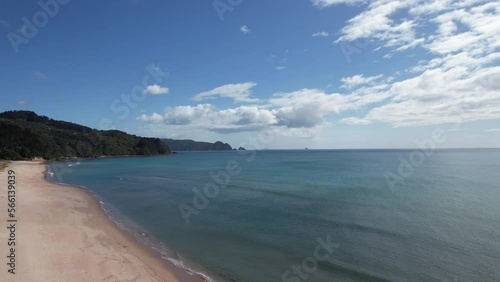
(180, 264)
(125, 224)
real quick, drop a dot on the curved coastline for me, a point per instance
(65, 235)
(155, 246)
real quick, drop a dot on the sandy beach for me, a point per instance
(62, 234)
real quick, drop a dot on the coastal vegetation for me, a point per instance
(26, 135)
(3, 165)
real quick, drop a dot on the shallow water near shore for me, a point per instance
(439, 222)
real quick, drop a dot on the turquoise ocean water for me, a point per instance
(309, 215)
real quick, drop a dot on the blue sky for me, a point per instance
(314, 73)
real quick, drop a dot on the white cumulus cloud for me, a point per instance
(320, 34)
(359, 79)
(457, 81)
(156, 90)
(240, 92)
(245, 29)
(326, 3)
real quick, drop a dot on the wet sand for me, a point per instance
(62, 234)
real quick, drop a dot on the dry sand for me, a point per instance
(62, 234)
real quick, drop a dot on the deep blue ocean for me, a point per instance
(308, 215)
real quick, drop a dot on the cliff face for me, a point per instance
(26, 135)
(190, 145)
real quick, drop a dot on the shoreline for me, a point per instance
(137, 233)
(65, 235)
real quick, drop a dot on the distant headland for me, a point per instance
(24, 135)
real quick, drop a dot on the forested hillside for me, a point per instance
(26, 135)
